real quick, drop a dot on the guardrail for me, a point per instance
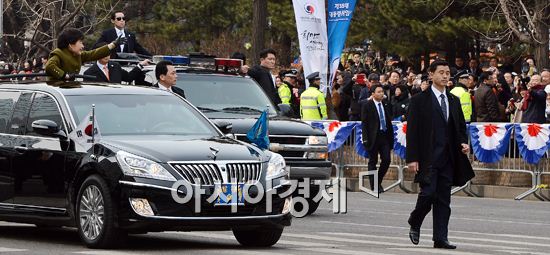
(345, 157)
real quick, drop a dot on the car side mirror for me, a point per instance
(225, 126)
(285, 110)
(47, 128)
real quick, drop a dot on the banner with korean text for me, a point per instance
(312, 35)
(340, 13)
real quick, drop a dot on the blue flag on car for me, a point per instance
(258, 134)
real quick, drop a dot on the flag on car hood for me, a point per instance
(87, 132)
(259, 133)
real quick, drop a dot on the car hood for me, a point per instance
(166, 149)
(277, 125)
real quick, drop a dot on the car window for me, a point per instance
(7, 101)
(141, 115)
(20, 112)
(220, 92)
(43, 107)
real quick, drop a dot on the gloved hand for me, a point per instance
(120, 41)
(69, 76)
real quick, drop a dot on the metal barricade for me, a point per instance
(346, 158)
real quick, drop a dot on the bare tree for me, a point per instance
(34, 25)
(524, 21)
(259, 24)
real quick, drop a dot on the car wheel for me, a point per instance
(95, 211)
(263, 237)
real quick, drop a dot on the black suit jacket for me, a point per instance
(117, 74)
(371, 124)
(263, 77)
(131, 46)
(420, 137)
(175, 89)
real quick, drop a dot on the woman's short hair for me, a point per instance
(69, 36)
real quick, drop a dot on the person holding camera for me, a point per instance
(534, 104)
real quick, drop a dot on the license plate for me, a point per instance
(230, 194)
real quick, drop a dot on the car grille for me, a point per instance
(210, 173)
(243, 172)
(295, 140)
(206, 174)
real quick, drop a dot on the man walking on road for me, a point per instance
(437, 146)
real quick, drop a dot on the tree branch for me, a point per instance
(72, 15)
(507, 15)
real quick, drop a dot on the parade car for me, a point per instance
(222, 95)
(112, 160)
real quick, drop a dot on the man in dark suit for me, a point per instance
(377, 133)
(167, 78)
(131, 46)
(262, 74)
(112, 72)
(437, 146)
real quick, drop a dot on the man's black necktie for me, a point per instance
(443, 106)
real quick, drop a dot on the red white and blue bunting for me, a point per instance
(490, 141)
(400, 139)
(533, 141)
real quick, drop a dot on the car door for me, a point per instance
(7, 103)
(39, 166)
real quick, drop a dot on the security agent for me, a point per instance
(131, 45)
(112, 72)
(312, 101)
(166, 75)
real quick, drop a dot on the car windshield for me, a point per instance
(141, 115)
(212, 93)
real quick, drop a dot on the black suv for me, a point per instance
(224, 96)
(150, 150)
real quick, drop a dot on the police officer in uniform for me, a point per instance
(312, 101)
(461, 91)
(285, 90)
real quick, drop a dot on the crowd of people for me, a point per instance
(488, 91)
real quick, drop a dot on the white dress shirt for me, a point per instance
(165, 88)
(120, 32)
(438, 96)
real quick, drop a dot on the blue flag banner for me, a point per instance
(340, 13)
(400, 139)
(359, 148)
(259, 134)
(490, 141)
(533, 141)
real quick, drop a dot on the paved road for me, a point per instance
(371, 226)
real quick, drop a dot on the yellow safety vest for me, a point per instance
(312, 104)
(284, 93)
(465, 101)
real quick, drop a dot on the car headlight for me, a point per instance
(133, 165)
(276, 166)
(317, 140)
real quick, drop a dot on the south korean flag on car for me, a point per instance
(533, 141)
(490, 141)
(83, 135)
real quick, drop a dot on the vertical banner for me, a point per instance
(312, 35)
(340, 13)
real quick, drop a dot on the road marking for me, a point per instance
(4, 249)
(436, 251)
(96, 252)
(522, 252)
(406, 239)
(341, 251)
(457, 218)
(450, 231)
(231, 237)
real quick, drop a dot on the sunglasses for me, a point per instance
(120, 18)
